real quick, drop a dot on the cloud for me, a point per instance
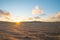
(30, 18)
(1, 12)
(37, 17)
(4, 13)
(37, 10)
(54, 18)
(7, 14)
(58, 15)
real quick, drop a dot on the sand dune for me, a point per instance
(30, 31)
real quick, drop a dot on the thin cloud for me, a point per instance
(37, 17)
(30, 18)
(58, 15)
(54, 18)
(37, 10)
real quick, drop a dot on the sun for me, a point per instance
(17, 22)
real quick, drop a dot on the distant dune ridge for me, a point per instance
(34, 30)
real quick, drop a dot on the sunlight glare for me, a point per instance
(17, 21)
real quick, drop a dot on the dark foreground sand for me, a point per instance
(30, 31)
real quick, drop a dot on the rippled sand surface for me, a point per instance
(29, 31)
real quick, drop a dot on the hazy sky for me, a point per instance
(24, 8)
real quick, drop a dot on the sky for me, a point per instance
(24, 8)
